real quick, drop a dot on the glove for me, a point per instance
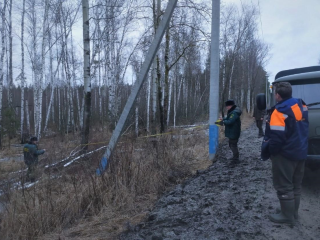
(219, 122)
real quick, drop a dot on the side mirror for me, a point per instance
(261, 101)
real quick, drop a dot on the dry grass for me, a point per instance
(74, 203)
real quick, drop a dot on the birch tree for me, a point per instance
(2, 53)
(86, 74)
(22, 71)
(10, 76)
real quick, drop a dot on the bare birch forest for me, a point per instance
(62, 73)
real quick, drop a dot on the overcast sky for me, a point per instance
(291, 28)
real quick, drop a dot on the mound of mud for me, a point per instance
(229, 201)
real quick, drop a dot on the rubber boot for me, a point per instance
(235, 158)
(286, 214)
(261, 134)
(296, 207)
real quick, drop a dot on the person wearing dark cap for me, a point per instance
(232, 125)
(286, 144)
(30, 154)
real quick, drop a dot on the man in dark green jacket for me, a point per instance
(31, 153)
(232, 124)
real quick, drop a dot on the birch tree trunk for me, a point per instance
(10, 57)
(28, 115)
(169, 101)
(230, 79)
(51, 84)
(137, 117)
(112, 66)
(154, 96)
(42, 66)
(148, 101)
(22, 71)
(155, 77)
(86, 74)
(3, 21)
(59, 109)
(166, 81)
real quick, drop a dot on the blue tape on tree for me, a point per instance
(102, 167)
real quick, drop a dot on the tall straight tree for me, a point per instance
(3, 36)
(86, 74)
(10, 56)
(22, 69)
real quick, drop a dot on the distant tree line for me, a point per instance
(44, 88)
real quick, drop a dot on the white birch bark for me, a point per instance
(22, 70)
(248, 98)
(242, 96)
(154, 95)
(86, 74)
(230, 79)
(49, 109)
(186, 97)
(112, 66)
(1, 62)
(51, 84)
(59, 109)
(137, 119)
(10, 76)
(157, 9)
(42, 66)
(174, 102)
(169, 100)
(148, 101)
(28, 115)
(80, 114)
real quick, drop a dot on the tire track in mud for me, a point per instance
(227, 201)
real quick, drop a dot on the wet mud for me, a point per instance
(230, 201)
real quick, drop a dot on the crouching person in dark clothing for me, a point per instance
(232, 124)
(286, 139)
(30, 154)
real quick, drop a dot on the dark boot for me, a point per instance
(286, 214)
(235, 152)
(261, 134)
(236, 159)
(296, 207)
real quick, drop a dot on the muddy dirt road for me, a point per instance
(230, 202)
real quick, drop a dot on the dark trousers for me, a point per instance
(233, 144)
(259, 126)
(287, 177)
(32, 172)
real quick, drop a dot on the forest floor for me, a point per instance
(228, 201)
